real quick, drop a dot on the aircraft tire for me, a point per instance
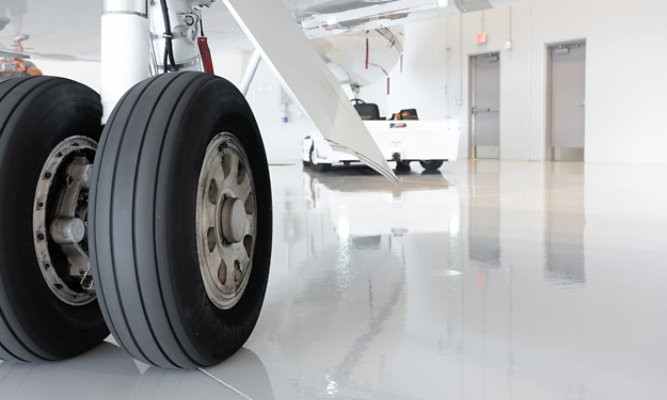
(38, 115)
(181, 182)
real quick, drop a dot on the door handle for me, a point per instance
(476, 110)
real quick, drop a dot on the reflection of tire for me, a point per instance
(91, 372)
(244, 372)
(319, 167)
(322, 167)
(307, 163)
(174, 154)
(36, 116)
(431, 165)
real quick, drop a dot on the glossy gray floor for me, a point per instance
(489, 280)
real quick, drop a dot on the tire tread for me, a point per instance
(138, 311)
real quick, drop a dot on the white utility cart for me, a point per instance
(429, 142)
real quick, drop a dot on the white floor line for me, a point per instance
(225, 384)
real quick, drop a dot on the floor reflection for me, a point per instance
(459, 285)
(107, 372)
(564, 225)
(484, 215)
(490, 280)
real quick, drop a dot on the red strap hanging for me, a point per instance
(205, 52)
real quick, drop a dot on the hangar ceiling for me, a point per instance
(70, 29)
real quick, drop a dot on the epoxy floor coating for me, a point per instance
(489, 280)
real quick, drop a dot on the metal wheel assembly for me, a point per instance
(49, 128)
(60, 220)
(226, 220)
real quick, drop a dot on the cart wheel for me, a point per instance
(431, 165)
(181, 220)
(403, 165)
(48, 132)
(319, 167)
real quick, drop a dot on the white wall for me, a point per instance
(625, 87)
(86, 72)
(282, 138)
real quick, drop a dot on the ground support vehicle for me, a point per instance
(428, 142)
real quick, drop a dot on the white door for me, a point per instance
(485, 85)
(568, 108)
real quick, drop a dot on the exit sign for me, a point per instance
(480, 38)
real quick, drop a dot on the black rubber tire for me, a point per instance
(431, 165)
(403, 165)
(36, 114)
(144, 247)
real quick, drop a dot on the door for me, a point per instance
(485, 118)
(568, 108)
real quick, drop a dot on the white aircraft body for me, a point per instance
(145, 210)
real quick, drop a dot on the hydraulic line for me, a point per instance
(168, 37)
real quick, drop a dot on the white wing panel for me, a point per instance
(293, 59)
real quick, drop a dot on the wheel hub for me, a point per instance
(233, 220)
(67, 230)
(60, 220)
(226, 220)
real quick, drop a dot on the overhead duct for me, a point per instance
(325, 18)
(331, 7)
(471, 5)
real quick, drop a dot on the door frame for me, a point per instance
(549, 153)
(472, 149)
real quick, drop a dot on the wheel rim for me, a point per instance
(226, 220)
(60, 220)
